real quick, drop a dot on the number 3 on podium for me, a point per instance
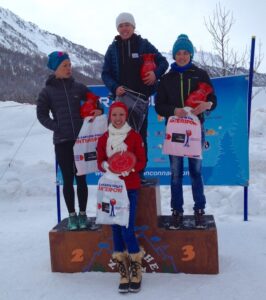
(188, 253)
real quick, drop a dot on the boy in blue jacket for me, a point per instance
(123, 61)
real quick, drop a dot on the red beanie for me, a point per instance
(118, 104)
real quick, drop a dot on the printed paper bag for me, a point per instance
(183, 137)
(85, 145)
(112, 201)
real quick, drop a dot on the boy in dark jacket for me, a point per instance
(123, 61)
(174, 88)
(62, 97)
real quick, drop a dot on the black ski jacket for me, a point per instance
(122, 63)
(61, 97)
(175, 87)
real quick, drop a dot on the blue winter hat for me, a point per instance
(55, 58)
(183, 43)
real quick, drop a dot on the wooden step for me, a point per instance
(188, 250)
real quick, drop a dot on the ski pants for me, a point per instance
(65, 158)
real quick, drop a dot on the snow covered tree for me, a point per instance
(229, 61)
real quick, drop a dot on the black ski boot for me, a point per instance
(177, 220)
(199, 218)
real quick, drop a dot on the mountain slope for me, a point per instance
(24, 48)
(23, 56)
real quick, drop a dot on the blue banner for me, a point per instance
(225, 153)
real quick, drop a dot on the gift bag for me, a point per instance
(112, 201)
(137, 108)
(85, 145)
(183, 136)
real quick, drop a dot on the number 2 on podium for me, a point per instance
(77, 255)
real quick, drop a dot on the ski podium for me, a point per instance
(187, 250)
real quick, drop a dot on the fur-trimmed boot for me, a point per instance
(135, 270)
(122, 264)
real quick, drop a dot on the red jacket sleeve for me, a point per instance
(101, 151)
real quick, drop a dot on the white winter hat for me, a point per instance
(125, 17)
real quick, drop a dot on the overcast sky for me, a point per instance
(92, 23)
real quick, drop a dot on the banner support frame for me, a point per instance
(250, 83)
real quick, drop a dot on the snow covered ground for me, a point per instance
(28, 212)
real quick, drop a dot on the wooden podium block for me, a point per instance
(79, 251)
(189, 250)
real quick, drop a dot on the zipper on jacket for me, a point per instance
(74, 136)
(189, 85)
(116, 69)
(182, 89)
(123, 57)
(129, 48)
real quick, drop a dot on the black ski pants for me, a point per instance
(65, 158)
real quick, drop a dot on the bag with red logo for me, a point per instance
(112, 201)
(85, 145)
(183, 136)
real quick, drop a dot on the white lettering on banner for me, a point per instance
(105, 101)
(153, 173)
(161, 173)
(158, 173)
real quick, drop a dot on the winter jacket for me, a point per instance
(135, 145)
(127, 54)
(174, 88)
(61, 97)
